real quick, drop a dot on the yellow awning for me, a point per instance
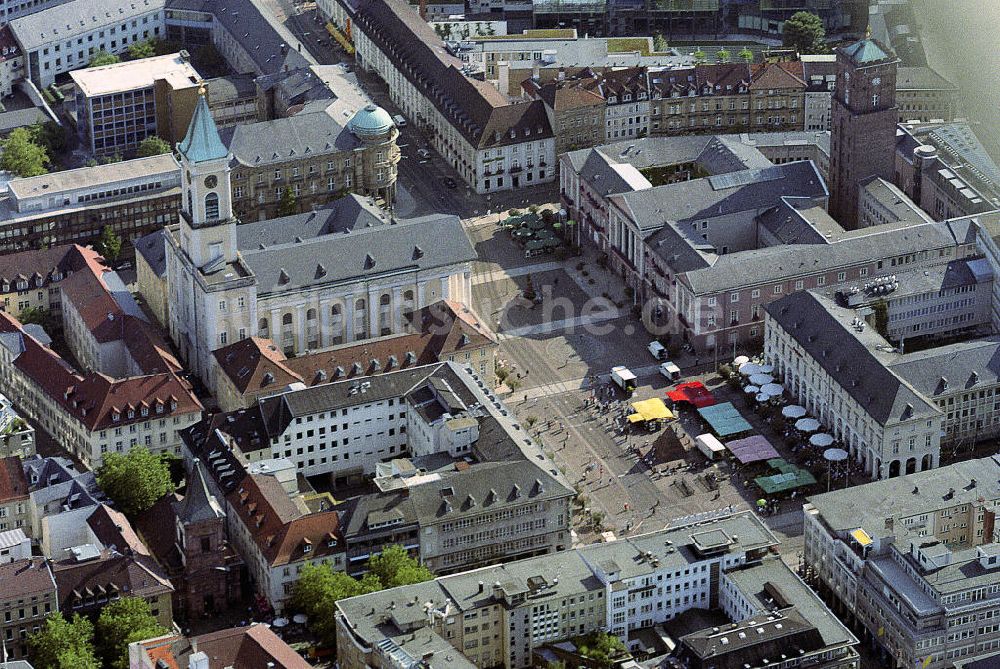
(636, 418)
(652, 409)
(861, 537)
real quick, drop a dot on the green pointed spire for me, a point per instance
(202, 142)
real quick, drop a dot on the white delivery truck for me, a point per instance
(623, 378)
(657, 350)
(711, 447)
(670, 370)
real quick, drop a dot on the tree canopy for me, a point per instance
(110, 244)
(102, 57)
(63, 644)
(395, 567)
(600, 647)
(121, 622)
(804, 31)
(288, 204)
(152, 146)
(145, 49)
(22, 155)
(319, 587)
(134, 480)
(746, 55)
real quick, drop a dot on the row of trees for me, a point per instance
(27, 151)
(76, 643)
(319, 587)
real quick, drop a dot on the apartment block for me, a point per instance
(518, 613)
(133, 198)
(913, 561)
(27, 597)
(441, 469)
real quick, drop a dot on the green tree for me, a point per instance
(113, 158)
(288, 204)
(394, 567)
(39, 316)
(121, 622)
(700, 57)
(134, 480)
(22, 156)
(601, 648)
(102, 57)
(317, 591)
(110, 244)
(804, 31)
(63, 644)
(50, 136)
(723, 56)
(746, 55)
(152, 146)
(138, 50)
(660, 43)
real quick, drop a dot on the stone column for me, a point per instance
(274, 329)
(300, 328)
(396, 309)
(325, 336)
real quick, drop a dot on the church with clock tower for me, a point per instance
(863, 127)
(343, 273)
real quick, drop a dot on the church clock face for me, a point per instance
(211, 181)
(876, 81)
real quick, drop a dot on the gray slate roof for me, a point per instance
(300, 137)
(411, 245)
(852, 359)
(967, 365)
(58, 22)
(922, 78)
(152, 248)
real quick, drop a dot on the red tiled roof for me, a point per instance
(94, 399)
(25, 578)
(113, 528)
(129, 575)
(13, 483)
(778, 75)
(44, 263)
(252, 646)
(444, 328)
(279, 529)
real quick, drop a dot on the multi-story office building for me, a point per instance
(27, 597)
(510, 615)
(495, 145)
(913, 561)
(891, 410)
(924, 95)
(65, 37)
(226, 282)
(451, 476)
(119, 105)
(133, 198)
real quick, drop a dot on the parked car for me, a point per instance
(423, 154)
(399, 121)
(657, 350)
(670, 370)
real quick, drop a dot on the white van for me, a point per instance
(710, 447)
(399, 121)
(657, 350)
(670, 370)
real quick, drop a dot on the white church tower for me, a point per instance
(212, 295)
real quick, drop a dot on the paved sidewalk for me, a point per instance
(499, 274)
(565, 324)
(577, 384)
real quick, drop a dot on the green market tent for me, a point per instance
(789, 480)
(724, 420)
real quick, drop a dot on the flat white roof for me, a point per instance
(135, 74)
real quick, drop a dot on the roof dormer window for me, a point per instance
(612, 99)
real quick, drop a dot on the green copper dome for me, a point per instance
(866, 51)
(370, 122)
(202, 142)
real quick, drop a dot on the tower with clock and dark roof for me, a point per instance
(863, 128)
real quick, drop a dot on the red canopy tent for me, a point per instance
(692, 392)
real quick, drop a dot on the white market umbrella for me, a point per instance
(749, 369)
(751, 390)
(279, 622)
(807, 425)
(761, 379)
(762, 397)
(300, 619)
(742, 360)
(772, 389)
(793, 411)
(767, 369)
(822, 440)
